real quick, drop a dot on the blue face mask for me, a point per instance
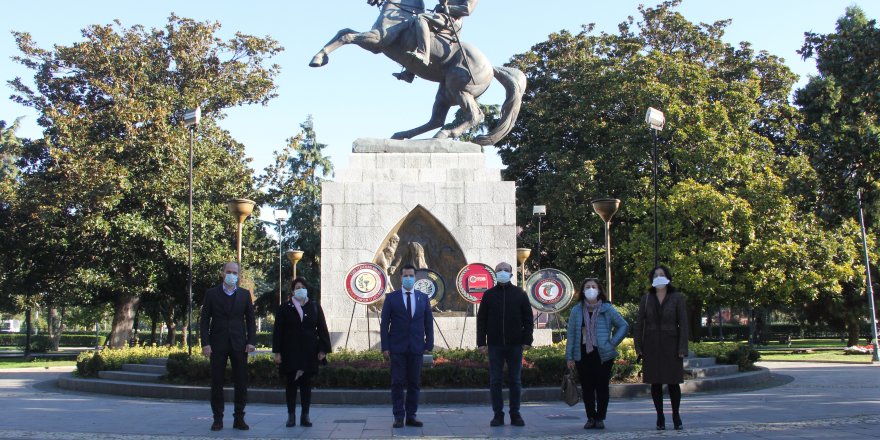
(301, 295)
(503, 276)
(231, 279)
(408, 282)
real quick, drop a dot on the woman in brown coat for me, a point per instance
(660, 338)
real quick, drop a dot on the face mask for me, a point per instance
(408, 282)
(503, 276)
(591, 294)
(231, 279)
(660, 281)
(301, 295)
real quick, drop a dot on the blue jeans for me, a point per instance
(498, 356)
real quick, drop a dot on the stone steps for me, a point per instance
(157, 361)
(696, 362)
(711, 371)
(129, 376)
(145, 368)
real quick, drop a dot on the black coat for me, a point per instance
(227, 325)
(300, 340)
(661, 335)
(505, 317)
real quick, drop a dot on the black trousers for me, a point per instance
(304, 385)
(239, 380)
(595, 376)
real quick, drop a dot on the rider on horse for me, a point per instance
(445, 21)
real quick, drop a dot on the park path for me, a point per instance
(807, 400)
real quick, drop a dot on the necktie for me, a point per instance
(408, 306)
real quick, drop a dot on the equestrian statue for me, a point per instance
(426, 44)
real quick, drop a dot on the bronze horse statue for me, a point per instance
(462, 71)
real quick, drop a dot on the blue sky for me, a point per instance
(355, 95)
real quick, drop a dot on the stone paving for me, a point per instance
(802, 400)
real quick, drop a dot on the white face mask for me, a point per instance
(591, 293)
(301, 295)
(660, 281)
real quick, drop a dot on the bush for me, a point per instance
(40, 343)
(730, 353)
(89, 363)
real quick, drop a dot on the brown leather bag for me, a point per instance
(571, 393)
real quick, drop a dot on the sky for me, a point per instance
(355, 95)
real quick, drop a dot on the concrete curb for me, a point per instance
(383, 396)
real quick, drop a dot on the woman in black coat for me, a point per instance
(300, 341)
(661, 339)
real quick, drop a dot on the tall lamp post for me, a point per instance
(656, 120)
(280, 217)
(606, 208)
(540, 211)
(240, 209)
(875, 357)
(522, 254)
(191, 121)
(294, 255)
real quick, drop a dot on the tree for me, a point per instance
(111, 166)
(841, 133)
(730, 223)
(293, 183)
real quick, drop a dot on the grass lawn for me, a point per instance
(821, 356)
(19, 362)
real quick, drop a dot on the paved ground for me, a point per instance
(807, 400)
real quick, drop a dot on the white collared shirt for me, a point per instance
(227, 291)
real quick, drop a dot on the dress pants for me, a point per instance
(595, 376)
(406, 372)
(239, 380)
(304, 384)
(512, 355)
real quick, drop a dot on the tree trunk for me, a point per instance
(153, 339)
(53, 322)
(124, 308)
(172, 331)
(695, 313)
(852, 330)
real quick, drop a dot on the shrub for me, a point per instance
(109, 359)
(40, 343)
(731, 353)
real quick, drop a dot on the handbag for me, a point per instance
(571, 393)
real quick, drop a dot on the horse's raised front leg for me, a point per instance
(438, 117)
(472, 113)
(368, 40)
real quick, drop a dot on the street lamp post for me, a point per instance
(540, 211)
(280, 216)
(191, 121)
(606, 208)
(522, 254)
(240, 209)
(656, 120)
(875, 357)
(294, 256)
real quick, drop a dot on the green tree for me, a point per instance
(730, 223)
(841, 134)
(112, 164)
(293, 182)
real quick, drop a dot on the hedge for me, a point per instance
(89, 363)
(40, 343)
(731, 353)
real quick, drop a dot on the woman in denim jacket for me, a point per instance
(595, 329)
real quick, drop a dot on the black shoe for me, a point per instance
(304, 420)
(406, 75)
(661, 423)
(591, 424)
(291, 420)
(498, 420)
(600, 424)
(218, 424)
(516, 419)
(398, 424)
(676, 422)
(240, 424)
(414, 422)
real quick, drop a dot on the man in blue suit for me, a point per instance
(407, 332)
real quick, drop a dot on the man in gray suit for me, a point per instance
(229, 331)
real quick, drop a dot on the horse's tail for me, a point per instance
(514, 82)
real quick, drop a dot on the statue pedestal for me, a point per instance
(386, 182)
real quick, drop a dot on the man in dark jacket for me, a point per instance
(228, 330)
(504, 329)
